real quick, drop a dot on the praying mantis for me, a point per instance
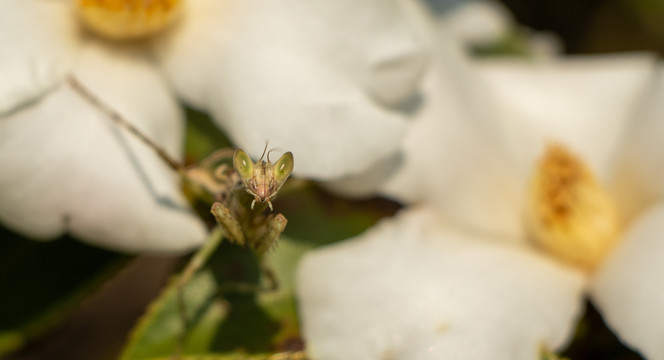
(240, 196)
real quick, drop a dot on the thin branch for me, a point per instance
(123, 123)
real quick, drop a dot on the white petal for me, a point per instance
(543, 45)
(332, 132)
(367, 183)
(639, 175)
(629, 288)
(478, 22)
(66, 167)
(39, 41)
(411, 289)
(178, 50)
(452, 158)
(312, 87)
(585, 103)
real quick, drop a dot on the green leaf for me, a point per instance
(203, 137)
(232, 324)
(548, 355)
(250, 325)
(514, 43)
(42, 282)
(318, 218)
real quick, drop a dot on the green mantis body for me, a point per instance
(242, 215)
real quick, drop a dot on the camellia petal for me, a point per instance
(40, 40)
(478, 22)
(331, 133)
(452, 159)
(445, 101)
(331, 94)
(472, 148)
(412, 289)
(366, 183)
(629, 288)
(639, 171)
(563, 101)
(67, 167)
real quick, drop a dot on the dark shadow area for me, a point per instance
(202, 136)
(37, 276)
(45, 283)
(317, 217)
(570, 19)
(596, 26)
(236, 271)
(594, 340)
(246, 317)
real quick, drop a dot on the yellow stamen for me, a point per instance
(128, 19)
(569, 213)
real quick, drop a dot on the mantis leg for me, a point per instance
(233, 232)
(221, 154)
(269, 237)
(231, 228)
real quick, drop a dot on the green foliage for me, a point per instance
(226, 323)
(594, 340)
(203, 137)
(547, 355)
(514, 43)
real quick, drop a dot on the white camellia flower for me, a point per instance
(308, 75)
(287, 72)
(65, 166)
(532, 184)
(476, 22)
(305, 75)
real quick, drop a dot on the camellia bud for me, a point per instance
(569, 214)
(128, 19)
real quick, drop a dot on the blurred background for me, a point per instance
(96, 325)
(596, 26)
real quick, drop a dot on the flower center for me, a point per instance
(569, 213)
(128, 19)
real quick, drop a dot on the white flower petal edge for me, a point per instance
(639, 174)
(452, 159)
(629, 288)
(39, 41)
(412, 289)
(537, 102)
(329, 93)
(444, 24)
(478, 22)
(66, 167)
(471, 149)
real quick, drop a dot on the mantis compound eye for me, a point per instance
(243, 165)
(282, 169)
